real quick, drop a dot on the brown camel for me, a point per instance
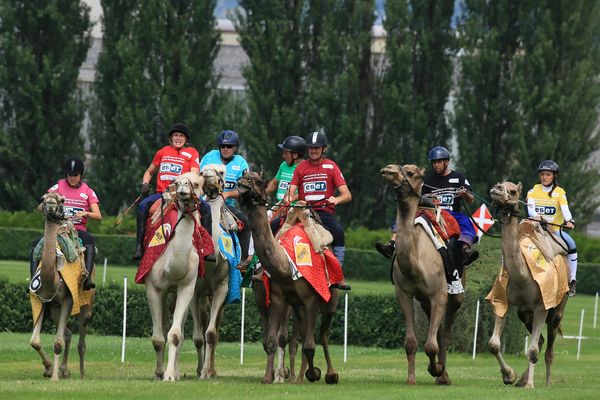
(176, 269)
(418, 272)
(56, 296)
(299, 294)
(522, 291)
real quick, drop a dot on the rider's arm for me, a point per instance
(466, 195)
(148, 174)
(272, 185)
(288, 195)
(567, 216)
(94, 212)
(344, 196)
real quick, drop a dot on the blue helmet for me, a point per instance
(439, 153)
(228, 137)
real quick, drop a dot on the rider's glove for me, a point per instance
(145, 189)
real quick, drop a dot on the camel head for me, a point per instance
(214, 179)
(188, 189)
(505, 197)
(405, 179)
(252, 189)
(52, 207)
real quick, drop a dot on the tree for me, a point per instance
(155, 69)
(42, 46)
(528, 91)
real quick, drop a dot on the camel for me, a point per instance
(522, 291)
(299, 294)
(207, 314)
(418, 272)
(176, 269)
(56, 296)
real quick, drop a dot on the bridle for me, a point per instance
(255, 198)
(509, 208)
(53, 209)
(399, 189)
(213, 190)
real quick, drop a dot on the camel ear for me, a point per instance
(519, 187)
(422, 172)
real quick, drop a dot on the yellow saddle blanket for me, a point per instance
(71, 274)
(551, 277)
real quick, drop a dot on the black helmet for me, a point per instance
(179, 127)
(74, 166)
(228, 137)
(548, 165)
(439, 153)
(294, 144)
(316, 139)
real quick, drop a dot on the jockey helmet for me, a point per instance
(74, 166)
(439, 153)
(294, 144)
(316, 139)
(228, 137)
(548, 165)
(179, 127)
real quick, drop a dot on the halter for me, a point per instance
(213, 192)
(509, 209)
(406, 181)
(55, 215)
(255, 198)
(184, 206)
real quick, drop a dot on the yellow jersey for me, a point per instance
(549, 208)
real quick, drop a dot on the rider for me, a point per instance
(170, 162)
(317, 180)
(292, 152)
(548, 202)
(228, 142)
(446, 186)
(80, 204)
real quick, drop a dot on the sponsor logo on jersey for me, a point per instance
(327, 166)
(317, 186)
(54, 188)
(453, 180)
(185, 153)
(545, 210)
(167, 177)
(283, 185)
(83, 195)
(235, 167)
(171, 168)
(229, 185)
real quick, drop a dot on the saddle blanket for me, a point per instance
(71, 275)
(319, 271)
(158, 236)
(446, 228)
(229, 246)
(551, 277)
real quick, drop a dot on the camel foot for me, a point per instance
(47, 371)
(158, 376)
(436, 369)
(444, 379)
(208, 374)
(411, 381)
(332, 379)
(313, 375)
(522, 380)
(64, 373)
(279, 376)
(287, 373)
(509, 377)
(169, 378)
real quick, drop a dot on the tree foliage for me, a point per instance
(42, 45)
(156, 68)
(528, 91)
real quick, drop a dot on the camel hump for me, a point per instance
(319, 237)
(549, 244)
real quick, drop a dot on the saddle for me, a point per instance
(319, 237)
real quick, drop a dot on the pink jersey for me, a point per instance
(171, 163)
(318, 182)
(76, 199)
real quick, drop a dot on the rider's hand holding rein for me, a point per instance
(465, 194)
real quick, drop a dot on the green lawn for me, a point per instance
(18, 271)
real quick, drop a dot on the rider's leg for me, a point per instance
(243, 236)
(572, 260)
(141, 217)
(387, 249)
(206, 221)
(32, 263)
(338, 246)
(467, 238)
(89, 258)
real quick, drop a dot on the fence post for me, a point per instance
(346, 327)
(242, 326)
(595, 309)
(104, 273)
(124, 318)
(476, 326)
(580, 332)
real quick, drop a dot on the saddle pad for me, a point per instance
(229, 246)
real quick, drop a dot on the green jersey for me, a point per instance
(284, 176)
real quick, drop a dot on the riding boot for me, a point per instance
(90, 255)
(386, 249)
(141, 232)
(206, 221)
(469, 255)
(32, 265)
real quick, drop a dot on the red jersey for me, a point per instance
(171, 163)
(76, 199)
(318, 182)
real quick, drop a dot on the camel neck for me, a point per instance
(268, 250)
(48, 273)
(511, 251)
(180, 246)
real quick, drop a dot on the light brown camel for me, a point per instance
(299, 294)
(209, 296)
(176, 269)
(418, 272)
(56, 297)
(522, 291)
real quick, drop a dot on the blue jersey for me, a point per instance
(235, 169)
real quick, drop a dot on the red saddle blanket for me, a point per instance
(450, 228)
(157, 238)
(319, 270)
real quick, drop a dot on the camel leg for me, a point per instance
(59, 340)
(64, 370)
(494, 345)
(331, 377)
(293, 347)
(282, 340)
(275, 316)
(454, 303)
(410, 342)
(175, 334)
(432, 348)
(196, 307)
(313, 373)
(553, 329)
(212, 332)
(539, 316)
(85, 315)
(36, 343)
(155, 302)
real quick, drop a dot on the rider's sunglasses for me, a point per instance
(227, 146)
